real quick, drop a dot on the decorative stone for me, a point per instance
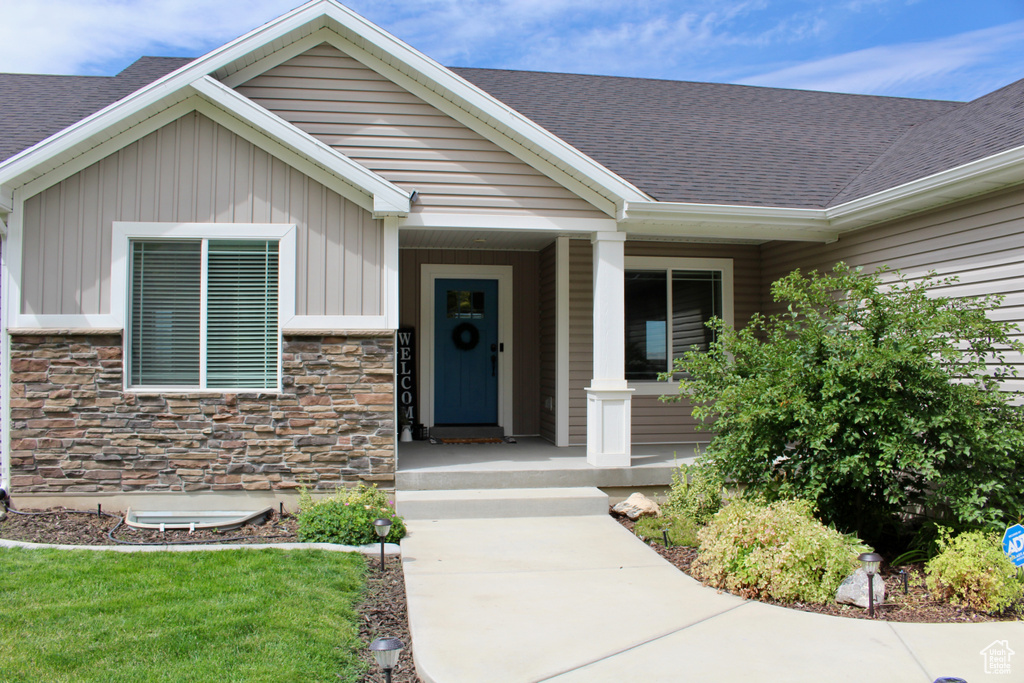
(74, 429)
(854, 590)
(636, 506)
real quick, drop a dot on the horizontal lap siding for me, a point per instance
(411, 143)
(981, 242)
(525, 318)
(547, 267)
(653, 421)
(193, 170)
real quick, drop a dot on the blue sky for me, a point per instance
(944, 49)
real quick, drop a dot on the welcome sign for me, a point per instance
(406, 375)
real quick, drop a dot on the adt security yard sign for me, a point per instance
(1013, 544)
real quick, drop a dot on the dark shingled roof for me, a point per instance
(988, 125)
(678, 141)
(34, 107)
(713, 143)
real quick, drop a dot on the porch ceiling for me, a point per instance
(427, 238)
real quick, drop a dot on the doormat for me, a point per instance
(507, 439)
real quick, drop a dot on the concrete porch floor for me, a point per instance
(532, 462)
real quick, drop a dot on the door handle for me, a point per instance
(494, 365)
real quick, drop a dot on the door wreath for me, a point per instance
(465, 336)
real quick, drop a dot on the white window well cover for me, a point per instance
(184, 519)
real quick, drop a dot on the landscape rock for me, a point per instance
(636, 506)
(854, 590)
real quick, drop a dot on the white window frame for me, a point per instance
(667, 264)
(123, 235)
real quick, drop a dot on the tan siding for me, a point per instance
(981, 242)
(581, 336)
(548, 295)
(411, 143)
(653, 421)
(525, 318)
(195, 171)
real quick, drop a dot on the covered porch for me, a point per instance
(555, 361)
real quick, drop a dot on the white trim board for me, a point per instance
(429, 272)
(125, 232)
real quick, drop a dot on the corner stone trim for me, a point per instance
(74, 428)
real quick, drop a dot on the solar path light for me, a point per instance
(386, 651)
(870, 562)
(382, 527)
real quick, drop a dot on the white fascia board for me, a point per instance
(971, 179)
(388, 199)
(485, 107)
(485, 221)
(6, 200)
(722, 220)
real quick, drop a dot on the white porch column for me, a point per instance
(608, 396)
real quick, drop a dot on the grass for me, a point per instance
(246, 615)
(681, 530)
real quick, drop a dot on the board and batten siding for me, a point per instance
(195, 171)
(981, 242)
(548, 352)
(525, 319)
(394, 133)
(653, 421)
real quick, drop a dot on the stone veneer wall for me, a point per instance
(74, 429)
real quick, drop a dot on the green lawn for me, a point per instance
(245, 615)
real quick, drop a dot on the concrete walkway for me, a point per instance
(579, 598)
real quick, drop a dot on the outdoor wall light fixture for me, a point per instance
(382, 527)
(870, 562)
(386, 651)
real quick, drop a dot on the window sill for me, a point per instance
(653, 387)
(188, 391)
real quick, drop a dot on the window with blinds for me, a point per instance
(205, 323)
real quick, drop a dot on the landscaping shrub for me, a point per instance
(347, 517)
(681, 530)
(696, 492)
(972, 570)
(869, 399)
(776, 550)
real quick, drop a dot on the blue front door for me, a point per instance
(466, 352)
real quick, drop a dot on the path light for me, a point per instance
(386, 651)
(382, 527)
(870, 562)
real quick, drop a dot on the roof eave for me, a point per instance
(989, 174)
(759, 223)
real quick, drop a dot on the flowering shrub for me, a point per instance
(347, 517)
(779, 551)
(972, 570)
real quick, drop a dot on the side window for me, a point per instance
(203, 314)
(666, 311)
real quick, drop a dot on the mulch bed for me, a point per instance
(382, 613)
(916, 605)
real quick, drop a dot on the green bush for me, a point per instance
(776, 550)
(696, 492)
(347, 517)
(869, 399)
(972, 570)
(681, 530)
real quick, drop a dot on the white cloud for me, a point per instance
(76, 36)
(909, 67)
